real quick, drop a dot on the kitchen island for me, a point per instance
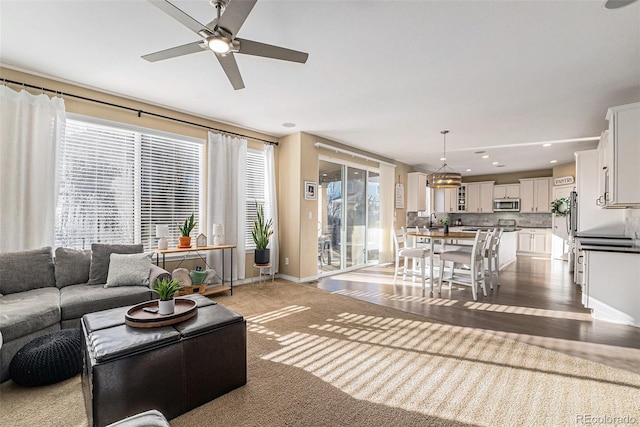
(508, 243)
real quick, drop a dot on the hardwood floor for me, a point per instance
(537, 303)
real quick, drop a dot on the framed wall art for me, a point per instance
(310, 190)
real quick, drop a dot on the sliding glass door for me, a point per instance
(348, 226)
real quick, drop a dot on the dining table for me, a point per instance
(440, 235)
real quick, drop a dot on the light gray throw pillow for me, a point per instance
(100, 254)
(128, 270)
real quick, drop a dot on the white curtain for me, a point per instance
(31, 131)
(226, 205)
(387, 208)
(272, 201)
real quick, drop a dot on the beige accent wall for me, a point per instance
(301, 245)
(566, 169)
(509, 178)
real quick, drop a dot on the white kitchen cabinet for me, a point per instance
(506, 191)
(619, 156)
(450, 200)
(480, 197)
(534, 241)
(416, 192)
(535, 195)
(611, 287)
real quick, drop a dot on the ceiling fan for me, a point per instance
(219, 36)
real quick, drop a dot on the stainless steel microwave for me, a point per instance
(506, 205)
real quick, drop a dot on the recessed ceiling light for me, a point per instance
(500, 166)
(553, 161)
(494, 163)
(480, 152)
(468, 170)
(546, 145)
(289, 125)
(442, 159)
(324, 174)
(486, 156)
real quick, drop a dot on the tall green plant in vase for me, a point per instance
(262, 231)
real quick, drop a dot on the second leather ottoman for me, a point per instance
(172, 369)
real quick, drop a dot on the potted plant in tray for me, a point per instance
(166, 289)
(185, 231)
(262, 231)
(445, 222)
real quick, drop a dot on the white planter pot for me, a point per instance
(166, 307)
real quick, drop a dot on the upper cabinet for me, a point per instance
(506, 191)
(619, 157)
(480, 197)
(535, 195)
(450, 200)
(416, 192)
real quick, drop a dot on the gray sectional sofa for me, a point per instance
(40, 293)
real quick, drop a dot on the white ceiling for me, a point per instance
(383, 76)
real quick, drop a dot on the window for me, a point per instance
(255, 192)
(117, 183)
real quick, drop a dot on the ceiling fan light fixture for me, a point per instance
(443, 178)
(219, 44)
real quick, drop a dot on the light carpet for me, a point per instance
(318, 359)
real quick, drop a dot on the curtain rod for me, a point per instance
(138, 111)
(352, 153)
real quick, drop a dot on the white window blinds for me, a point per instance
(170, 190)
(117, 184)
(96, 201)
(255, 192)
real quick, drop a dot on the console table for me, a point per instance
(198, 250)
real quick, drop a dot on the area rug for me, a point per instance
(318, 359)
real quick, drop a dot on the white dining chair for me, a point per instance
(491, 254)
(474, 259)
(418, 256)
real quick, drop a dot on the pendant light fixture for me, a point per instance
(444, 177)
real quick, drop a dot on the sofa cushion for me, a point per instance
(78, 300)
(100, 258)
(129, 269)
(26, 270)
(26, 312)
(72, 266)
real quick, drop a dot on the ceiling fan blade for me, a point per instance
(235, 14)
(180, 16)
(230, 67)
(185, 49)
(250, 47)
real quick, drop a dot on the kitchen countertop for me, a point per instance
(621, 249)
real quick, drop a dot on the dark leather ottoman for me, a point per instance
(172, 369)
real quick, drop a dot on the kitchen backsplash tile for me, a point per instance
(522, 220)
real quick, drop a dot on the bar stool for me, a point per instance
(474, 259)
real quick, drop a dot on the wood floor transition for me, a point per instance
(537, 303)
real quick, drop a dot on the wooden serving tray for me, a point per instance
(136, 317)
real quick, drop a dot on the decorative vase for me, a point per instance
(218, 234)
(261, 256)
(166, 307)
(446, 229)
(197, 276)
(185, 242)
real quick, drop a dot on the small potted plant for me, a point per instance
(445, 222)
(262, 231)
(185, 231)
(166, 289)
